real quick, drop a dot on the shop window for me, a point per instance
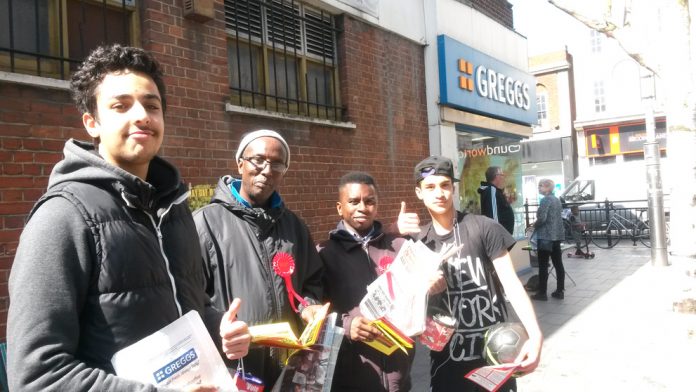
(50, 38)
(542, 113)
(282, 57)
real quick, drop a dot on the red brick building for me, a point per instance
(369, 113)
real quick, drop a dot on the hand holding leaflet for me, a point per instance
(492, 377)
(281, 335)
(181, 355)
(391, 338)
(312, 370)
(400, 294)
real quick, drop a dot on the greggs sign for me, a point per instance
(475, 82)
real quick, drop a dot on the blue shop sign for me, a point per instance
(475, 82)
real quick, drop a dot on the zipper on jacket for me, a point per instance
(161, 245)
(372, 265)
(274, 296)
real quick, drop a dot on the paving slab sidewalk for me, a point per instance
(616, 329)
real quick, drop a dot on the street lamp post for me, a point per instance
(651, 153)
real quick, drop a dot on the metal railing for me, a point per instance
(608, 222)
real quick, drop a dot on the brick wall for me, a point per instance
(382, 89)
(559, 62)
(34, 124)
(499, 10)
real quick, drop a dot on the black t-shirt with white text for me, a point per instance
(473, 294)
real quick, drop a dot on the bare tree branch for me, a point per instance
(624, 35)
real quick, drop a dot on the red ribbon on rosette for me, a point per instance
(384, 263)
(382, 266)
(284, 266)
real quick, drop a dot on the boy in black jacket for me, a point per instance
(109, 255)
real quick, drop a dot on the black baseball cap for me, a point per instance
(434, 165)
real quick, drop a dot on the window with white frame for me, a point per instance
(542, 113)
(596, 41)
(599, 99)
(50, 38)
(282, 57)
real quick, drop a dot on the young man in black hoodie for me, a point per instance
(494, 204)
(355, 254)
(109, 254)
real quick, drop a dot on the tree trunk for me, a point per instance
(676, 71)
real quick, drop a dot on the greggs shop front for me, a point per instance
(492, 106)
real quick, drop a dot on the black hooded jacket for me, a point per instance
(238, 244)
(350, 266)
(495, 206)
(105, 260)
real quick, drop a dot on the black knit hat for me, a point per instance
(434, 165)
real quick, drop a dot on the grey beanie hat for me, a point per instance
(251, 136)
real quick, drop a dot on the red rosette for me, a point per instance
(384, 263)
(284, 266)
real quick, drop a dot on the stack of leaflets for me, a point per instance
(281, 335)
(312, 369)
(392, 338)
(399, 297)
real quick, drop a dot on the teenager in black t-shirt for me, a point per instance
(476, 275)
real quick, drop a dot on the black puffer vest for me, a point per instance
(146, 269)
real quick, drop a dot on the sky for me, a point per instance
(545, 26)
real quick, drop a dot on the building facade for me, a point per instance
(347, 94)
(345, 81)
(480, 96)
(612, 93)
(551, 152)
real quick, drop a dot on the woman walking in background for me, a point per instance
(550, 233)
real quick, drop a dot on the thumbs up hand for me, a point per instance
(408, 222)
(235, 334)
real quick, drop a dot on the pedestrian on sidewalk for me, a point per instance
(479, 275)
(550, 232)
(494, 203)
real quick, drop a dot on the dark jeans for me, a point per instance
(557, 260)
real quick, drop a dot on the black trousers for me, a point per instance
(557, 260)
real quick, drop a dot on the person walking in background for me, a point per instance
(109, 254)
(549, 232)
(477, 275)
(494, 204)
(255, 247)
